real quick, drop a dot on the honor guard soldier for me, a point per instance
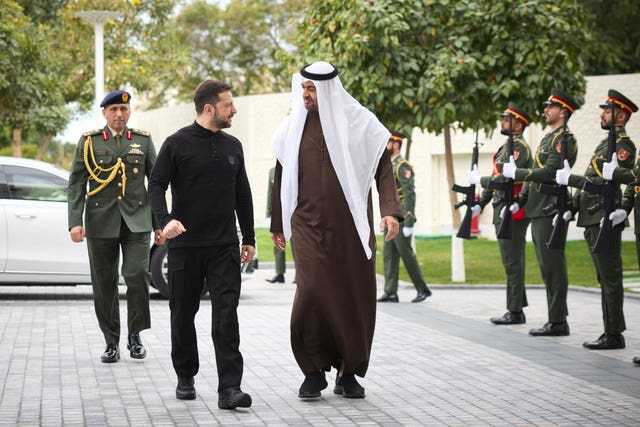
(400, 246)
(547, 160)
(513, 123)
(114, 162)
(616, 111)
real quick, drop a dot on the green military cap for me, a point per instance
(518, 112)
(562, 99)
(615, 97)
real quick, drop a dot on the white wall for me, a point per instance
(259, 115)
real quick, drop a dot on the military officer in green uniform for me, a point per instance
(114, 161)
(400, 246)
(512, 250)
(547, 159)
(279, 256)
(616, 111)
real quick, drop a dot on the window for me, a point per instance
(33, 184)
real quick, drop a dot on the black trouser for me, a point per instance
(219, 268)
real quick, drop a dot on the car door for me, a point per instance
(38, 241)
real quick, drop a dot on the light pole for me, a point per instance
(98, 19)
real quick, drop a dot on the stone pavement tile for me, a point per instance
(440, 362)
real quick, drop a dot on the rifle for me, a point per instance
(558, 236)
(607, 192)
(470, 196)
(505, 228)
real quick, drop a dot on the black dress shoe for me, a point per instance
(278, 278)
(388, 298)
(111, 354)
(422, 296)
(551, 330)
(348, 387)
(606, 342)
(312, 385)
(185, 389)
(510, 318)
(232, 398)
(636, 360)
(135, 347)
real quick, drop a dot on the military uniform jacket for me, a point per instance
(523, 159)
(105, 210)
(583, 200)
(405, 185)
(629, 198)
(545, 164)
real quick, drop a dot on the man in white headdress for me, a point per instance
(329, 150)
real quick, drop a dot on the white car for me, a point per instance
(35, 246)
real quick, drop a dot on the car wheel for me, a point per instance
(159, 271)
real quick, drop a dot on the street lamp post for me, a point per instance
(98, 19)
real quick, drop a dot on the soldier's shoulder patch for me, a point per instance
(559, 147)
(92, 132)
(407, 172)
(140, 132)
(516, 154)
(623, 154)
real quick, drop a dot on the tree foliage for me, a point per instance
(239, 44)
(438, 62)
(615, 45)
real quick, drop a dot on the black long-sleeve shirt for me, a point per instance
(209, 186)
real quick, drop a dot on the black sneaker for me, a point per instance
(185, 389)
(312, 385)
(348, 387)
(232, 398)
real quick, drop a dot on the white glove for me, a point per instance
(513, 209)
(475, 210)
(407, 231)
(566, 216)
(609, 167)
(617, 216)
(473, 176)
(509, 168)
(267, 222)
(562, 175)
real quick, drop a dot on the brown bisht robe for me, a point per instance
(334, 309)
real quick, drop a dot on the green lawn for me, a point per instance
(482, 260)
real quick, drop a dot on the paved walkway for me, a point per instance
(440, 362)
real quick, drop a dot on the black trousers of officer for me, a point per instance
(189, 270)
(104, 259)
(609, 271)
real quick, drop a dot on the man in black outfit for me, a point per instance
(209, 187)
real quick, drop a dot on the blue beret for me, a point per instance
(116, 97)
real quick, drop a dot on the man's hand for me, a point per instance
(513, 209)
(77, 233)
(609, 167)
(158, 237)
(246, 253)
(173, 229)
(566, 216)
(473, 176)
(279, 241)
(562, 175)
(389, 223)
(407, 231)
(509, 168)
(475, 210)
(617, 216)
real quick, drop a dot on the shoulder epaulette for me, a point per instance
(92, 132)
(140, 132)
